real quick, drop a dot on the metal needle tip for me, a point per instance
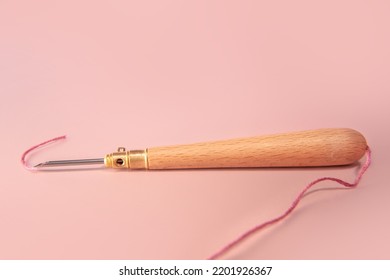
(55, 163)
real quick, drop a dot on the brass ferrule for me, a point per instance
(122, 159)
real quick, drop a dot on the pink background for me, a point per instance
(149, 73)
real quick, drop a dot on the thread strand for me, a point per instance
(294, 204)
(33, 148)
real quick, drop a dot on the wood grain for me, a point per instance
(322, 147)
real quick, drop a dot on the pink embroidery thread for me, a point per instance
(24, 155)
(261, 226)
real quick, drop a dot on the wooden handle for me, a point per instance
(323, 147)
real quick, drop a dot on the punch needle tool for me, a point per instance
(321, 147)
